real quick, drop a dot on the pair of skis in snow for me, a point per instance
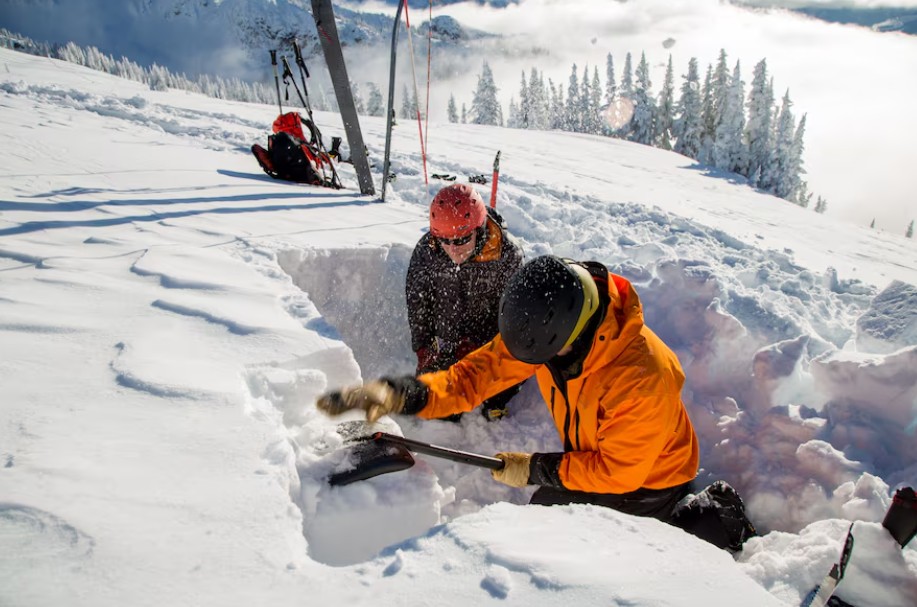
(901, 523)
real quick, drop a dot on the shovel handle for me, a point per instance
(462, 457)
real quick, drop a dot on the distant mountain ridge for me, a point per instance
(879, 19)
(228, 38)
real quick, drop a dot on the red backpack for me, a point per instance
(292, 157)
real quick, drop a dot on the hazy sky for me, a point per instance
(856, 86)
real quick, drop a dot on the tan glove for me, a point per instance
(377, 398)
(515, 472)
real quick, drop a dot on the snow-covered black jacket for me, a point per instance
(453, 309)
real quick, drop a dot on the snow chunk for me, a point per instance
(891, 321)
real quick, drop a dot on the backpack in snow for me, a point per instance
(717, 515)
(292, 157)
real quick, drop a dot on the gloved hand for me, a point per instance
(515, 472)
(377, 398)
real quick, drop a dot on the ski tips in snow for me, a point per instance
(900, 521)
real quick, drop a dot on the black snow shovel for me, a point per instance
(381, 453)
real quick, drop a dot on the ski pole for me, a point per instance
(316, 134)
(276, 79)
(303, 74)
(462, 457)
(493, 187)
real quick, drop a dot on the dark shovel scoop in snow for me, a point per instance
(382, 453)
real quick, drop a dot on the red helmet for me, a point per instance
(456, 211)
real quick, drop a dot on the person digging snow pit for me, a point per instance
(612, 386)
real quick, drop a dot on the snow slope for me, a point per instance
(168, 315)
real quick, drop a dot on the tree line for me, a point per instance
(712, 121)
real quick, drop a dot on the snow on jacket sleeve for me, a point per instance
(483, 373)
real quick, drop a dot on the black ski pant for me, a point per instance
(653, 503)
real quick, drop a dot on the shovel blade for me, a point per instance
(372, 458)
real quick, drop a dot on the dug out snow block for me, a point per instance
(891, 321)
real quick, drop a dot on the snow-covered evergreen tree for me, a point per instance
(666, 109)
(627, 78)
(464, 115)
(408, 104)
(611, 85)
(910, 230)
(759, 126)
(821, 205)
(729, 150)
(485, 108)
(643, 129)
(572, 116)
(538, 102)
(374, 105)
(451, 110)
(358, 103)
(799, 192)
(688, 126)
(596, 125)
(525, 105)
(873, 224)
(585, 99)
(708, 119)
(513, 118)
(782, 179)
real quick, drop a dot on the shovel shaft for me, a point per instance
(463, 457)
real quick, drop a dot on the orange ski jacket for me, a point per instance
(622, 421)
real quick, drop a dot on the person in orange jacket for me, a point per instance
(612, 386)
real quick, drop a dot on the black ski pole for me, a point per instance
(303, 74)
(316, 134)
(276, 78)
(288, 73)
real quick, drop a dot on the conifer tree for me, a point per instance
(759, 126)
(571, 110)
(358, 103)
(611, 86)
(873, 224)
(708, 118)
(485, 109)
(795, 168)
(513, 117)
(464, 115)
(729, 151)
(538, 102)
(525, 105)
(643, 122)
(627, 78)
(595, 104)
(451, 110)
(821, 205)
(910, 230)
(666, 109)
(781, 179)
(374, 105)
(585, 102)
(720, 88)
(688, 126)
(408, 104)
